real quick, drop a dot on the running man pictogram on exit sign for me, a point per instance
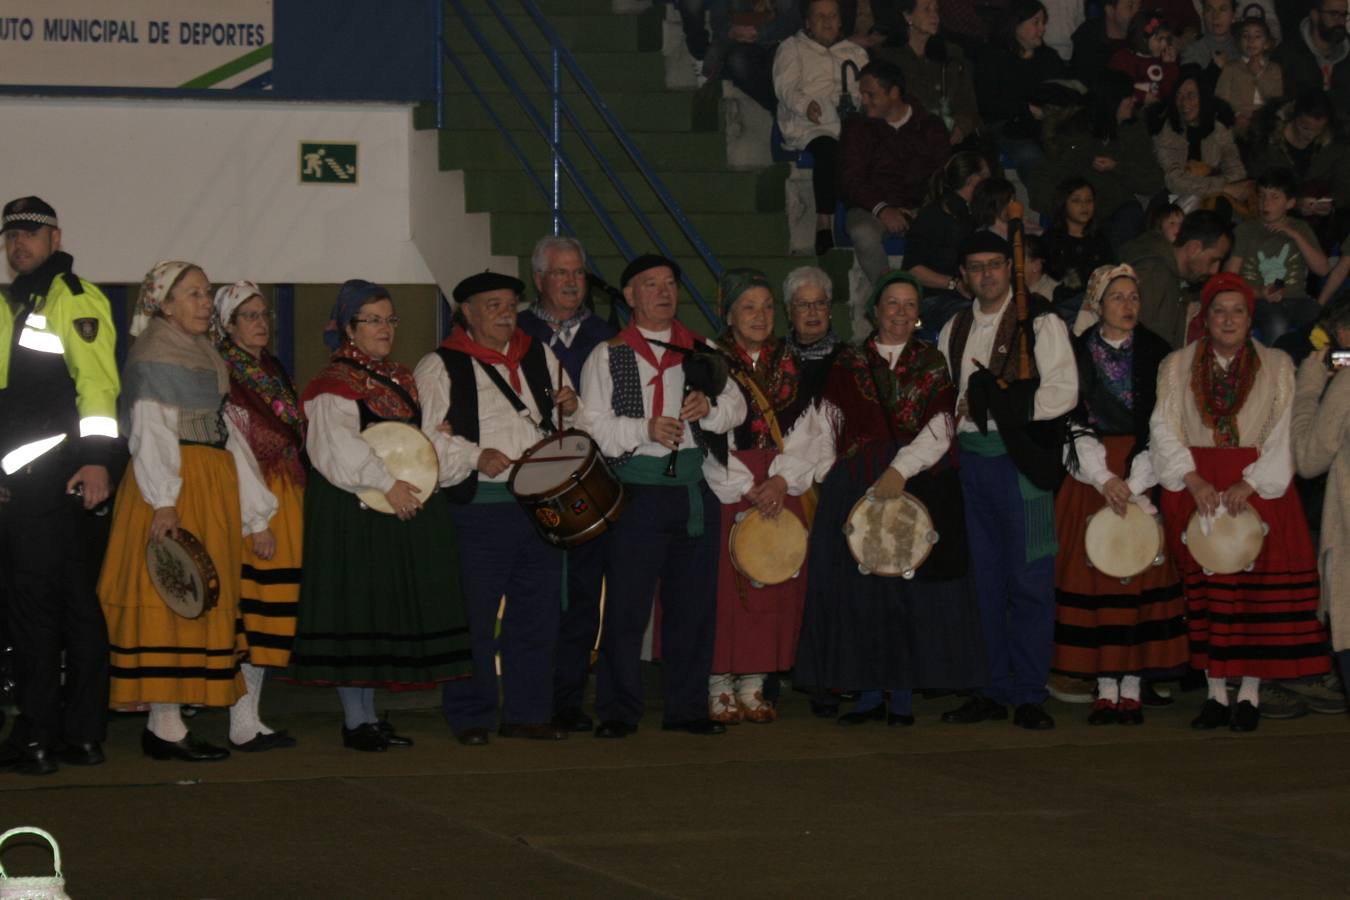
(327, 163)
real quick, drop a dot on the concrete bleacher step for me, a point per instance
(728, 234)
(680, 111)
(687, 152)
(583, 33)
(609, 71)
(698, 192)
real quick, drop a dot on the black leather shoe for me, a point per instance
(824, 710)
(83, 753)
(391, 737)
(615, 729)
(27, 759)
(976, 709)
(472, 737)
(1212, 715)
(365, 737)
(1033, 716)
(895, 719)
(189, 749)
(1245, 717)
(574, 719)
(698, 726)
(861, 717)
(543, 731)
(1104, 712)
(277, 740)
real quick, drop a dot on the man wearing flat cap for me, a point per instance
(639, 408)
(1010, 458)
(58, 439)
(500, 392)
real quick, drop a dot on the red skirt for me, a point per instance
(757, 627)
(1261, 623)
(1103, 627)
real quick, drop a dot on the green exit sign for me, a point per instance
(327, 162)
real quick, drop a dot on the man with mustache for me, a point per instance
(58, 432)
(1317, 57)
(494, 386)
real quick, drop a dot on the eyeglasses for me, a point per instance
(391, 321)
(981, 268)
(810, 305)
(253, 315)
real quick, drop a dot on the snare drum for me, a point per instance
(1233, 542)
(568, 489)
(1123, 547)
(767, 551)
(183, 574)
(890, 537)
(407, 454)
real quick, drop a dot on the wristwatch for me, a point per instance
(951, 284)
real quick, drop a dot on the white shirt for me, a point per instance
(337, 449)
(500, 427)
(1058, 390)
(157, 460)
(617, 435)
(807, 445)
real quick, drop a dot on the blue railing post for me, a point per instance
(440, 66)
(557, 139)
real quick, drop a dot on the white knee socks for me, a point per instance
(166, 722)
(1131, 686)
(245, 724)
(1250, 690)
(1108, 689)
(1218, 688)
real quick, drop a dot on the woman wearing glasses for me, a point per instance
(263, 408)
(380, 604)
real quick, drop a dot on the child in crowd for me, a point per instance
(1074, 246)
(1166, 220)
(989, 205)
(1274, 253)
(1038, 282)
(1247, 85)
(1150, 60)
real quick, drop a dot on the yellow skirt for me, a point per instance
(269, 589)
(157, 655)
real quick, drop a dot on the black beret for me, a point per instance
(645, 262)
(985, 242)
(27, 214)
(486, 281)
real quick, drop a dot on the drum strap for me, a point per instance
(745, 380)
(546, 426)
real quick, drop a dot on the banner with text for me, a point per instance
(175, 44)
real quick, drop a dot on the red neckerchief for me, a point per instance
(515, 351)
(359, 385)
(680, 336)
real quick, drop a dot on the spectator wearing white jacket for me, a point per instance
(809, 81)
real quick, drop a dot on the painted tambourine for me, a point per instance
(183, 574)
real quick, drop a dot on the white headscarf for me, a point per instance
(155, 290)
(230, 298)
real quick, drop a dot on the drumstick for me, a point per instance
(560, 412)
(524, 460)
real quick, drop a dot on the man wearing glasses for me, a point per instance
(1010, 505)
(1317, 57)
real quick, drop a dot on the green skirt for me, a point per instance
(380, 599)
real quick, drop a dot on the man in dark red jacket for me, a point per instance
(886, 160)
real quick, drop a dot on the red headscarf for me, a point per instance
(1222, 282)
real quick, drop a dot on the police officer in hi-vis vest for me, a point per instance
(58, 440)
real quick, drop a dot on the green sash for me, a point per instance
(651, 470)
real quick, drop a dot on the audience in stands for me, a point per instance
(1274, 253)
(1217, 45)
(1108, 145)
(1302, 136)
(809, 74)
(1165, 269)
(1007, 79)
(1248, 83)
(738, 40)
(887, 158)
(989, 205)
(1199, 158)
(943, 224)
(936, 70)
(1099, 39)
(1074, 245)
(1318, 56)
(1149, 59)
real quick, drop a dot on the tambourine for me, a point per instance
(408, 455)
(1123, 547)
(1233, 542)
(890, 537)
(767, 550)
(183, 574)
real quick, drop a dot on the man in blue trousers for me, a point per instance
(499, 391)
(1010, 465)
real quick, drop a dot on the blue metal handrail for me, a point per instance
(551, 132)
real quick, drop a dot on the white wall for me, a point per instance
(216, 182)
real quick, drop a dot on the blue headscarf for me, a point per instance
(353, 295)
